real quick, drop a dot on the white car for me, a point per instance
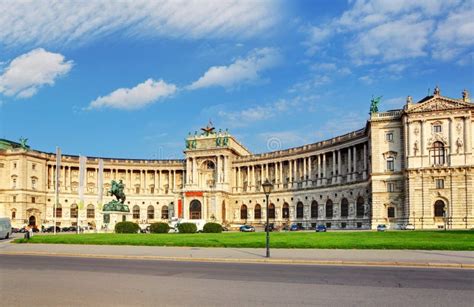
(409, 227)
(5, 228)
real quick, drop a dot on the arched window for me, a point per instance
(59, 211)
(73, 211)
(13, 213)
(195, 210)
(164, 213)
(329, 209)
(150, 212)
(136, 212)
(314, 209)
(391, 212)
(344, 207)
(90, 211)
(271, 211)
(360, 207)
(286, 211)
(243, 212)
(258, 212)
(299, 210)
(438, 153)
(439, 208)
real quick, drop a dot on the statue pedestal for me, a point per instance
(113, 217)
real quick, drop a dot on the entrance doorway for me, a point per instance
(32, 221)
(195, 210)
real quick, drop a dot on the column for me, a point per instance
(238, 179)
(266, 171)
(339, 168)
(63, 178)
(295, 172)
(290, 182)
(333, 166)
(281, 174)
(224, 170)
(365, 161)
(467, 139)
(310, 171)
(249, 182)
(354, 161)
(318, 168)
(254, 182)
(169, 180)
(305, 179)
(324, 180)
(349, 164)
(194, 175)
(174, 180)
(160, 181)
(155, 182)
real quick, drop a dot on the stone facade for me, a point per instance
(407, 166)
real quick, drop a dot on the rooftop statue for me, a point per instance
(23, 144)
(119, 203)
(374, 104)
(209, 129)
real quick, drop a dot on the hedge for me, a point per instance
(159, 227)
(212, 228)
(187, 228)
(126, 227)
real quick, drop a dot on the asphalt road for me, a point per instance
(63, 281)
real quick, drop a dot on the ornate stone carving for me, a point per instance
(437, 137)
(437, 91)
(465, 96)
(459, 144)
(416, 147)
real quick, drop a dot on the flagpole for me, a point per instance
(56, 188)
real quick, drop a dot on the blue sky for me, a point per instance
(132, 79)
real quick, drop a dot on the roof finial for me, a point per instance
(465, 96)
(409, 99)
(437, 91)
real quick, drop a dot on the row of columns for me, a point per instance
(192, 168)
(300, 171)
(159, 179)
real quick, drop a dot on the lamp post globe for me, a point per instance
(267, 189)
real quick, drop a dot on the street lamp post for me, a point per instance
(267, 189)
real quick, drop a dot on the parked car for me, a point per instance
(295, 227)
(224, 228)
(5, 227)
(321, 228)
(382, 227)
(286, 227)
(408, 227)
(15, 230)
(51, 229)
(247, 228)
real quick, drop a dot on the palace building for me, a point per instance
(409, 166)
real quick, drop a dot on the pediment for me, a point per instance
(437, 103)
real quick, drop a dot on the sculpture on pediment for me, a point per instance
(209, 129)
(23, 143)
(437, 91)
(409, 99)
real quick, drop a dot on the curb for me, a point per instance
(254, 261)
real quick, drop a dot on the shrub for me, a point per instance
(126, 227)
(159, 228)
(212, 228)
(187, 228)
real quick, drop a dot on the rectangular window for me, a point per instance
(33, 166)
(439, 183)
(13, 215)
(437, 128)
(33, 200)
(389, 137)
(14, 199)
(391, 212)
(390, 164)
(390, 187)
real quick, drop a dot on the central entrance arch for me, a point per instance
(195, 210)
(32, 221)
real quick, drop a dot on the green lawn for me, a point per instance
(427, 240)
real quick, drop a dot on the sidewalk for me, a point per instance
(411, 258)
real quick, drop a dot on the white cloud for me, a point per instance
(386, 31)
(241, 71)
(310, 84)
(455, 34)
(47, 22)
(134, 98)
(395, 40)
(366, 79)
(26, 74)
